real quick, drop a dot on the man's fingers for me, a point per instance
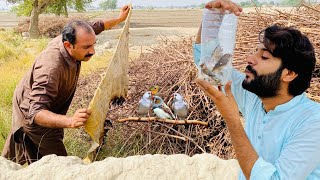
(213, 4)
(236, 9)
(239, 8)
(82, 120)
(84, 110)
(125, 7)
(229, 92)
(219, 4)
(83, 115)
(79, 124)
(207, 88)
(225, 5)
(227, 89)
(89, 111)
(202, 84)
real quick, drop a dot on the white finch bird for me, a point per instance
(145, 104)
(159, 103)
(179, 106)
(161, 113)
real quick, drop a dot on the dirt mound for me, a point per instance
(180, 166)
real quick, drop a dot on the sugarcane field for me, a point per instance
(148, 117)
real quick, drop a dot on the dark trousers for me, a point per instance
(21, 147)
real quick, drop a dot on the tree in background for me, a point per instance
(108, 4)
(60, 7)
(290, 2)
(34, 8)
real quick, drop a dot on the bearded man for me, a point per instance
(282, 125)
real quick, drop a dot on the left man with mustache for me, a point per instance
(281, 137)
(42, 98)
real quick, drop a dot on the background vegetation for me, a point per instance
(16, 57)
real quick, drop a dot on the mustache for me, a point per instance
(250, 69)
(88, 55)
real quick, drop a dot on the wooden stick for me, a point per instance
(169, 121)
(310, 7)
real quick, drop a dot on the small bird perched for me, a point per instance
(154, 90)
(179, 106)
(159, 103)
(161, 113)
(145, 104)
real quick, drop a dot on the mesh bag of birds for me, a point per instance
(218, 35)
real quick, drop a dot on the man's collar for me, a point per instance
(289, 105)
(66, 55)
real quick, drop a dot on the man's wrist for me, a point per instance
(69, 122)
(233, 122)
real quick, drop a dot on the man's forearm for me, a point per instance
(49, 119)
(245, 152)
(109, 23)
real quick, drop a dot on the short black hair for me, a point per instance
(295, 51)
(69, 31)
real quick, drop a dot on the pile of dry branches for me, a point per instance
(49, 26)
(170, 66)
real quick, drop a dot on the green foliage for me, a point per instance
(60, 7)
(57, 7)
(108, 4)
(202, 5)
(253, 3)
(79, 5)
(23, 9)
(290, 2)
(16, 57)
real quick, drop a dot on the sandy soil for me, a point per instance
(147, 27)
(180, 166)
(141, 39)
(188, 18)
(139, 18)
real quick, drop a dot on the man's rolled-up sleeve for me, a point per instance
(97, 26)
(262, 170)
(44, 90)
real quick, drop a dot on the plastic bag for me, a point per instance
(218, 35)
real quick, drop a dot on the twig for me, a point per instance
(169, 121)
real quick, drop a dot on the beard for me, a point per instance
(264, 86)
